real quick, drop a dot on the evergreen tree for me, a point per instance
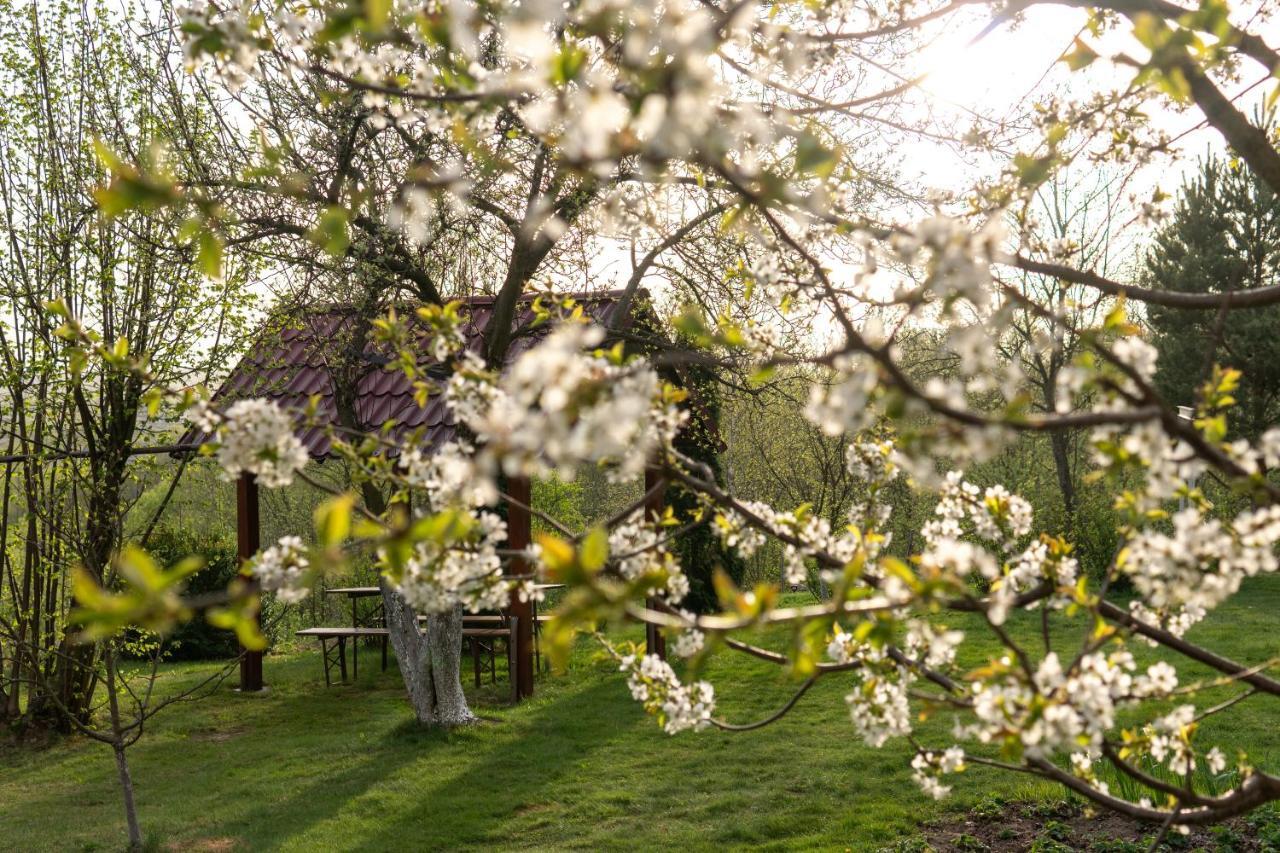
(699, 549)
(1224, 236)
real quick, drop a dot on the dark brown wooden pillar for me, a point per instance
(655, 489)
(519, 535)
(248, 540)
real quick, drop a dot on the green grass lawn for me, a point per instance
(579, 766)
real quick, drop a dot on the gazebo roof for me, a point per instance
(291, 364)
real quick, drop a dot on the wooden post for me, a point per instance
(248, 540)
(519, 533)
(655, 502)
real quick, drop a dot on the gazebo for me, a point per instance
(294, 363)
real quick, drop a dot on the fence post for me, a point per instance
(248, 541)
(655, 503)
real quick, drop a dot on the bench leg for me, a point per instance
(512, 624)
(324, 657)
(355, 658)
(475, 658)
(342, 657)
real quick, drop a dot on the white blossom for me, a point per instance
(282, 569)
(254, 437)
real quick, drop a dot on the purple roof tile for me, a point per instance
(291, 364)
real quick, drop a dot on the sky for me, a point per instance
(998, 71)
(1013, 63)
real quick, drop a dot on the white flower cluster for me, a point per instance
(1169, 464)
(843, 406)
(254, 437)
(737, 534)
(236, 29)
(1202, 561)
(812, 536)
(932, 645)
(655, 685)
(1175, 620)
(596, 81)
(559, 407)
(995, 515)
(927, 768)
(1058, 710)
(878, 704)
(688, 643)
(460, 569)
(1269, 448)
(1169, 740)
(1038, 562)
(960, 258)
(1161, 679)
(956, 558)
(639, 551)
(1138, 355)
(282, 569)
(448, 476)
(874, 463)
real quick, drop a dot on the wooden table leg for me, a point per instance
(342, 657)
(513, 625)
(324, 659)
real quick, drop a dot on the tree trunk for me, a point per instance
(1061, 462)
(126, 789)
(444, 642)
(429, 662)
(118, 747)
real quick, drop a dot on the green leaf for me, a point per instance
(330, 232)
(557, 555)
(243, 620)
(377, 13)
(1080, 56)
(568, 64)
(1032, 171)
(333, 520)
(152, 400)
(210, 254)
(813, 157)
(595, 550)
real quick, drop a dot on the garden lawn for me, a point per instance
(579, 766)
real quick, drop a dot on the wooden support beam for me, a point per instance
(519, 535)
(655, 503)
(248, 541)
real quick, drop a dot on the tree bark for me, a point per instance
(444, 642)
(1061, 461)
(430, 661)
(122, 761)
(126, 789)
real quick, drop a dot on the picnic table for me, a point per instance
(335, 655)
(371, 620)
(477, 629)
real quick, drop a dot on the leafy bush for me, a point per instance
(197, 640)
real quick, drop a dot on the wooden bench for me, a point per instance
(487, 619)
(336, 655)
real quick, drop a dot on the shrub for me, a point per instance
(197, 640)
